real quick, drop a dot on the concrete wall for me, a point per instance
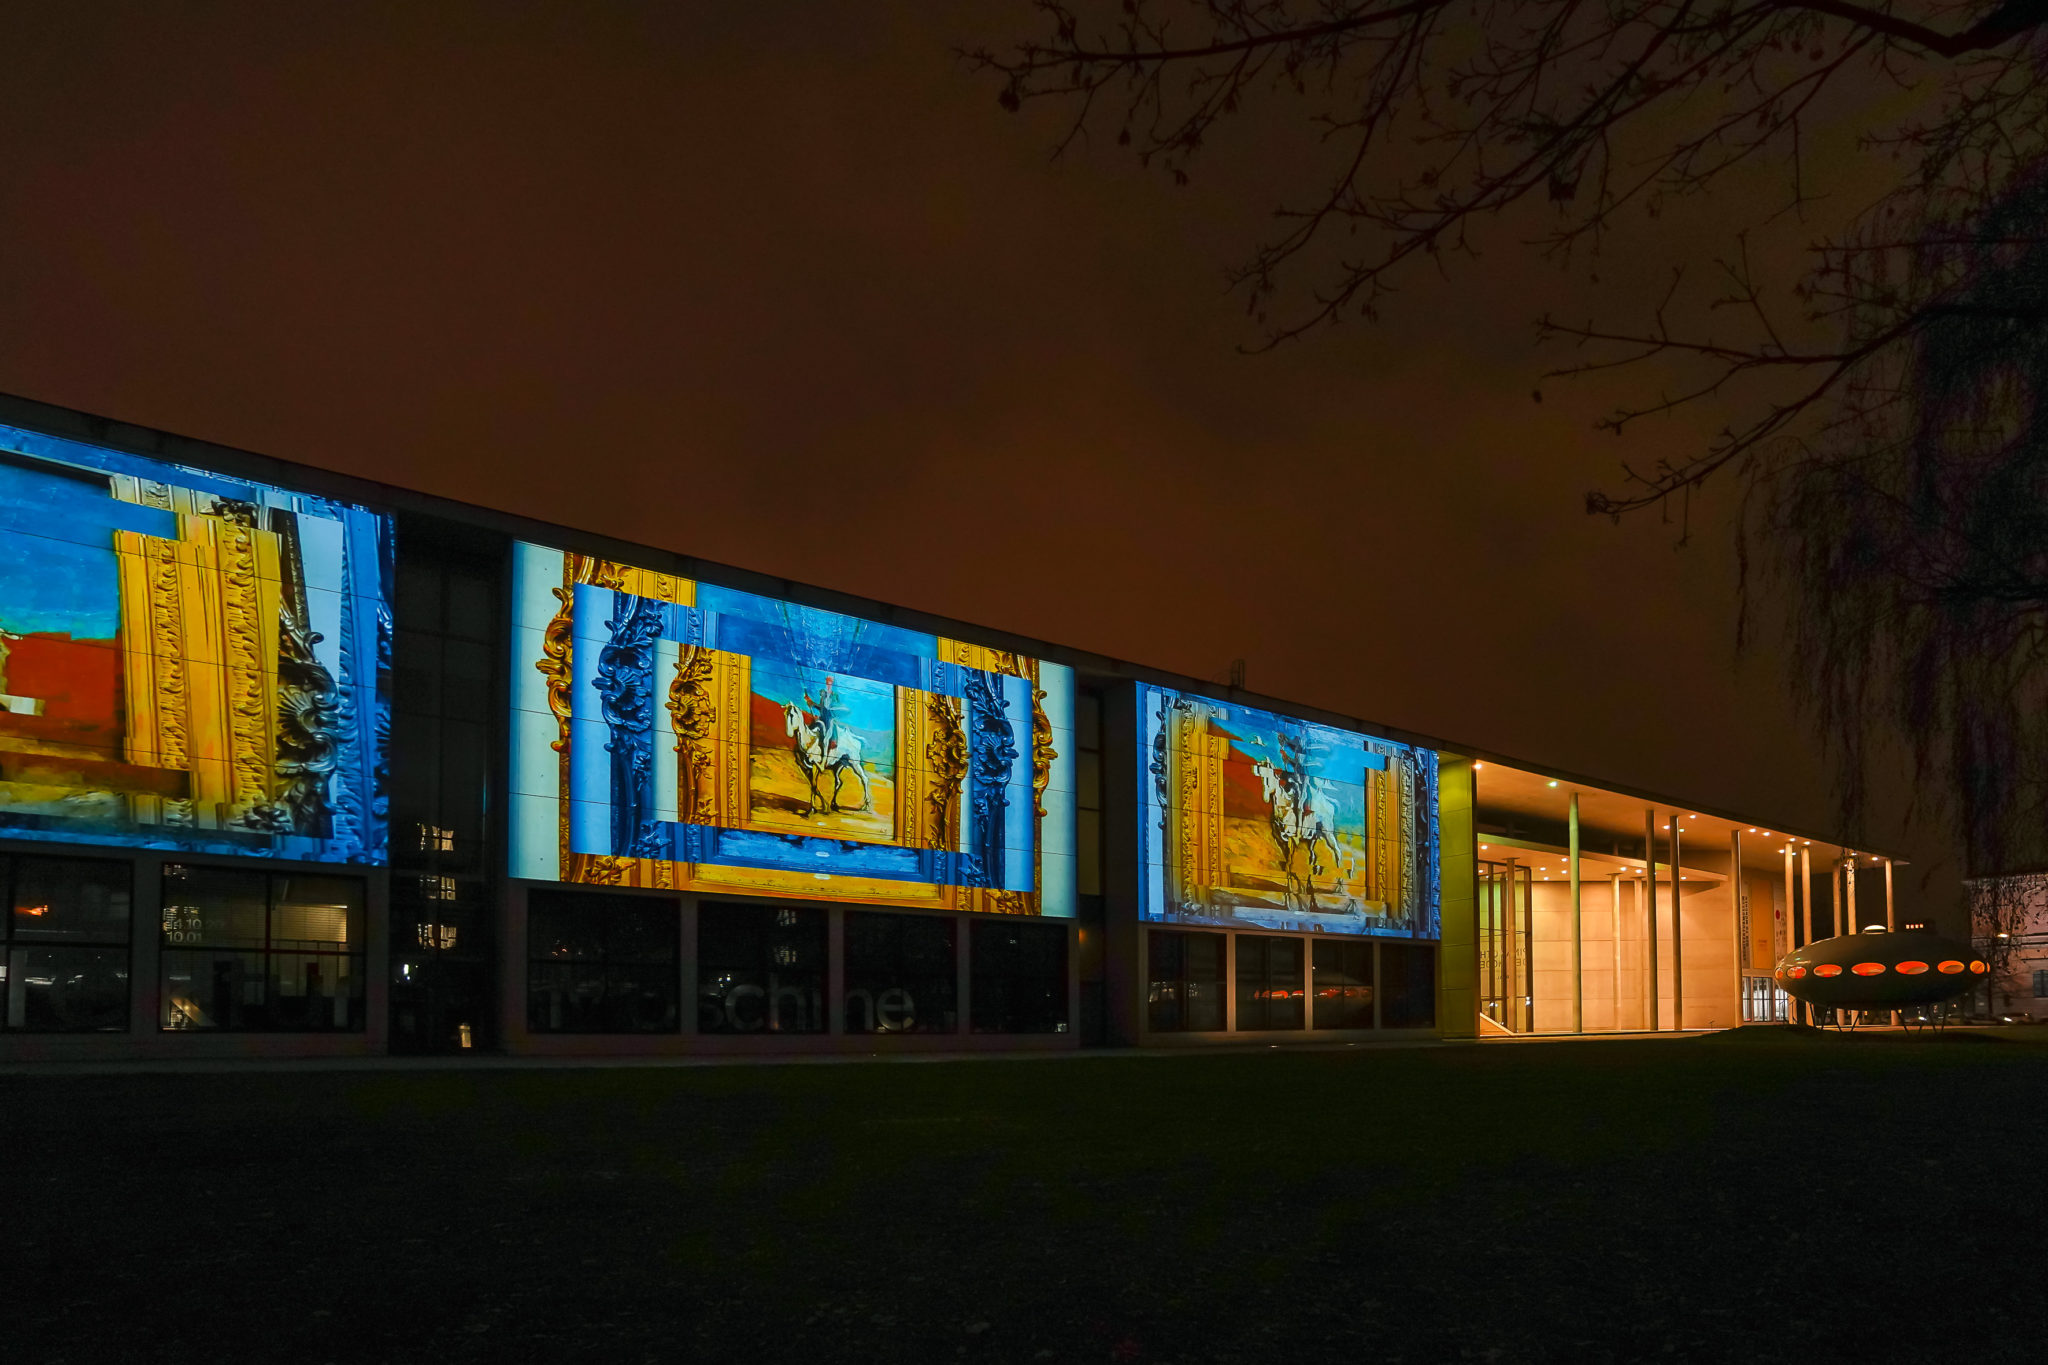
(1457, 994)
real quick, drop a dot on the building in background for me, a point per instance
(292, 764)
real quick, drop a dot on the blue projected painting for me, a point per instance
(676, 734)
(1255, 819)
(188, 660)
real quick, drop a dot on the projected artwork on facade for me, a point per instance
(671, 733)
(1257, 819)
(188, 660)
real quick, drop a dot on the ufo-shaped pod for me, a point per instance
(1876, 970)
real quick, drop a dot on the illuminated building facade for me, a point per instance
(296, 765)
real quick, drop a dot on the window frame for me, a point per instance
(356, 952)
(10, 880)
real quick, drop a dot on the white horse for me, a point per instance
(1304, 818)
(817, 754)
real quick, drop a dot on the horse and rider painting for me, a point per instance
(823, 759)
(1266, 820)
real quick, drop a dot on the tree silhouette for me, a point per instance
(1886, 401)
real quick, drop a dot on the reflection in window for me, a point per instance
(64, 947)
(902, 974)
(760, 968)
(261, 952)
(601, 964)
(1018, 976)
(1408, 985)
(1343, 985)
(1185, 994)
(1269, 982)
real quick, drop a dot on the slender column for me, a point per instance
(1650, 912)
(1738, 912)
(1805, 896)
(1578, 978)
(1510, 1014)
(1791, 909)
(1835, 892)
(1891, 920)
(1791, 932)
(1855, 920)
(1614, 905)
(1529, 949)
(1677, 927)
(1806, 910)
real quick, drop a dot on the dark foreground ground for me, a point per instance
(1739, 1197)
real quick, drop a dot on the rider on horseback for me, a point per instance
(824, 714)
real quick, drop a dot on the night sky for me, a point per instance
(789, 291)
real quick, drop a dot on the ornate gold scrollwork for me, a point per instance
(695, 716)
(945, 758)
(1042, 752)
(556, 641)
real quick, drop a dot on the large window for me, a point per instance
(64, 947)
(261, 950)
(443, 951)
(1343, 984)
(1269, 982)
(1185, 994)
(902, 974)
(1408, 978)
(601, 964)
(760, 968)
(1018, 976)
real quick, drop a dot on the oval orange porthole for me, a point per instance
(1827, 969)
(1868, 969)
(1910, 968)
(1950, 967)
(1979, 968)
(1795, 972)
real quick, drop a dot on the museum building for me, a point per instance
(297, 765)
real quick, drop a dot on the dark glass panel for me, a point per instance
(1018, 976)
(461, 805)
(214, 908)
(315, 992)
(902, 974)
(472, 606)
(1088, 852)
(68, 990)
(1269, 983)
(760, 968)
(416, 673)
(71, 900)
(1343, 986)
(416, 598)
(600, 963)
(1408, 985)
(1186, 990)
(466, 687)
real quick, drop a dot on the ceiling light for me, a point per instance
(1553, 782)
(1477, 766)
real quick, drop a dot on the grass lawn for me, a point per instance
(1756, 1196)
